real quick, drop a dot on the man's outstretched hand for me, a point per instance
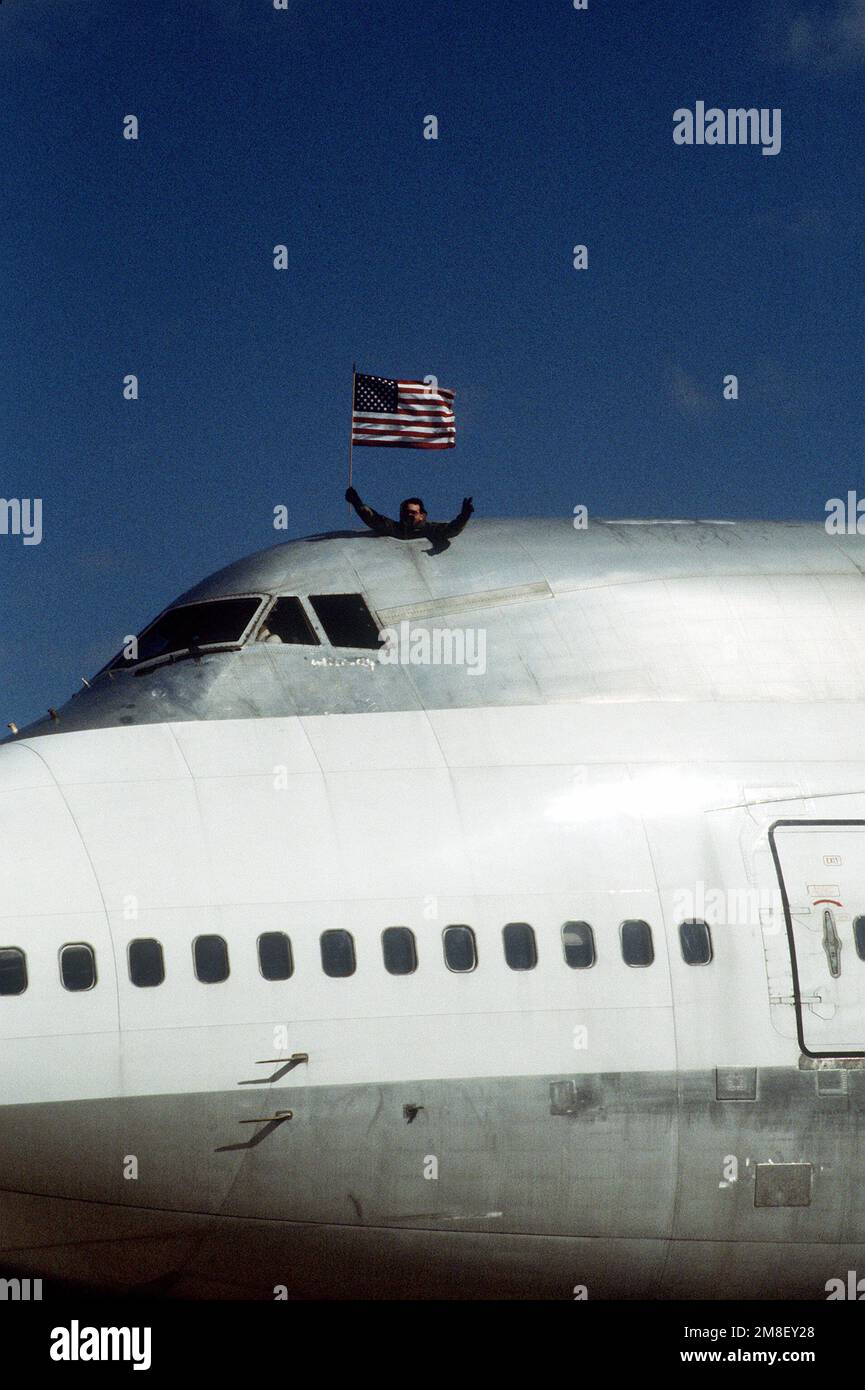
(467, 505)
(351, 496)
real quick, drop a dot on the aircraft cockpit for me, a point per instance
(226, 624)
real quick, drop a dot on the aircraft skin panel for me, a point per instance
(301, 852)
(316, 1167)
(592, 1169)
(209, 1054)
(497, 553)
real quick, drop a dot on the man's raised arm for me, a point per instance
(374, 520)
(453, 528)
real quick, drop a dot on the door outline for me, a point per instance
(791, 940)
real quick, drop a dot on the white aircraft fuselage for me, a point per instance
(667, 730)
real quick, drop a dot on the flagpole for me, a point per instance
(351, 429)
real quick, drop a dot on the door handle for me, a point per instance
(831, 943)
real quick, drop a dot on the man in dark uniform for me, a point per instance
(413, 523)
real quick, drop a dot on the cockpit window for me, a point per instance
(287, 622)
(346, 620)
(194, 625)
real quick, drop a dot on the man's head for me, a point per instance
(412, 512)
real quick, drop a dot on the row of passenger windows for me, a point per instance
(146, 962)
(345, 620)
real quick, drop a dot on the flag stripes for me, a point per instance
(402, 414)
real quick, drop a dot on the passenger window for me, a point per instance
(13, 970)
(460, 950)
(78, 967)
(346, 620)
(637, 947)
(337, 954)
(218, 623)
(399, 951)
(210, 954)
(146, 963)
(275, 960)
(578, 944)
(696, 942)
(859, 936)
(521, 952)
(287, 622)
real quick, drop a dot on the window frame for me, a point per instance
(399, 974)
(574, 922)
(344, 646)
(532, 937)
(637, 965)
(16, 993)
(71, 945)
(275, 979)
(460, 926)
(696, 922)
(337, 931)
(134, 942)
(262, 621)
(181, 653)
(211, 936)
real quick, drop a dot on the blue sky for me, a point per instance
(410, 256)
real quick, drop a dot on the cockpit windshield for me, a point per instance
(217, 623)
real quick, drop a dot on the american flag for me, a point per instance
(402, 414)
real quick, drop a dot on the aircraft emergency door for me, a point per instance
(821, 875)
